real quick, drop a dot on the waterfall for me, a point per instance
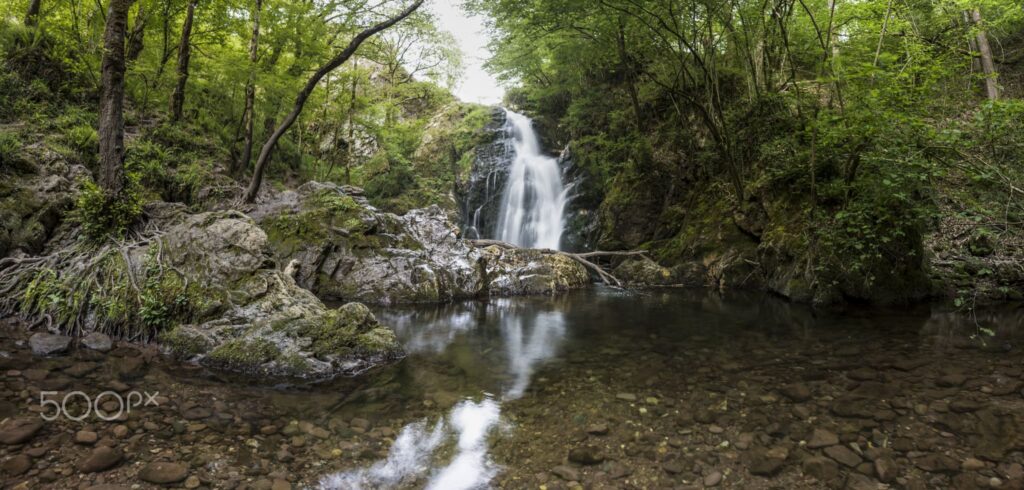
(534, 197)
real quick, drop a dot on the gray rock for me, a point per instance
(822, 438)
(567, 473)
(98, 341)
(824, 469)
(767, 462)
(100, 459)
(163, 472)
(586, 455)
(713, 479)
(348, 250)
(843, 455)
(886, 469)
(16, 465)
(937, 463)
(45, 344)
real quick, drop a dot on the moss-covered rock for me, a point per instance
(345, 249)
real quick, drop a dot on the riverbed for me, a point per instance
(600, 388)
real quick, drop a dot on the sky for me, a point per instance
(477, 85)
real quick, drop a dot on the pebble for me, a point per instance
(713, 479)
(586, 455)
(822, 438)
(163, 472)
(87, 437)
(101, 459)
(843, 455)
(18, 431)
(629, 397)
(819, 467)
(16, 465)
(98, 341)
(567, 473)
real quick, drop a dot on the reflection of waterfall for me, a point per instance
(541, 343)
(534, 199)
(411, 457)
(528, 337)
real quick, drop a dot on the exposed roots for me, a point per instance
(581, 258)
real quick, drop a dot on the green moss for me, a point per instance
(348, 330)
(182, 343)
(243, 352)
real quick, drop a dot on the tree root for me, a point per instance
(581, 258)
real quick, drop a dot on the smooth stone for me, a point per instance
(713, 479)
(972, 464)
(598, 429)
(17, 431)
(16, 465)
(767, 462)
(821, 468)
(45, 344)
(98, 341)
(937, 463)
(586, 455)
(629, 397)
(798, 392)
(567, 473)
(86, 437)
(822, 438)
(843, 455)
(886, 469)
(101, 459)
(163, 472)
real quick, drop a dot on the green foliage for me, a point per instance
(102, 216)
(10, 146)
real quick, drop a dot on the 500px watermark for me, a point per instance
(98, 405)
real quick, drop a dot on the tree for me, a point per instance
(136, 40)
(184, 56)
(32, 17)
(111, 117)
(307, 89)
(985, 53)
(248, 114)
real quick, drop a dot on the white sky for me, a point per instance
(476, 85)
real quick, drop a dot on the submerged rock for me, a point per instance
(45, 344)
(346, 249)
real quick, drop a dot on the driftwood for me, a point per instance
(581, 258)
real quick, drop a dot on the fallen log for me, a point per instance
(581, 258)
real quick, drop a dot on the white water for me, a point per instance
(534, 200)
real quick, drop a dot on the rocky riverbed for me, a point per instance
(668, 389)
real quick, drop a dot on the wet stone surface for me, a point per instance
(596, 390)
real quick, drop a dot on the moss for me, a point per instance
(182, 343)
(243, 353)
(349, 330)
(294, 363)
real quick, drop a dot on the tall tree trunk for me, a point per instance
(135, 39)
(32, 17)
(350, 147)
(300, 100)
(987, 65)
(184, 56)
(249, 115)
(627, 69)
(111, 120)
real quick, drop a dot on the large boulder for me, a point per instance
(206, 288)
(343, 248)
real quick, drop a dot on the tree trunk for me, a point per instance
(32, 17)
(627, 69)
(987, 65)
(135, 39)
(350, 148)
(111, 117)
(249, 115)
(184, 56)
(300, 100)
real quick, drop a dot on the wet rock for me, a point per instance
(767, 462)
(567, 473)
(862, 374)
(16, 465)
(857, 481)
(713, 479)
(360, 423)
(100, 459)
(163, 472)
(598, 429)
(586, 455)
(951, 380)
(87, 437)
(673, 467)
(843, 455)
(822, 438)
(81, 369)
(17, 431)
(98, 341)
(823, 469)
(999, 431)
(196, 413)
(45, 344)
(937, 463)
(886, 469)
(972, 464)
(797, 392)
(963, 405)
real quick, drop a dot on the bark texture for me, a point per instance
(249, 115)
(184, 56)
(111, 117)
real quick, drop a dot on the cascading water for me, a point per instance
(534, 199)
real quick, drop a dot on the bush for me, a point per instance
(101, 216)
(9, 149)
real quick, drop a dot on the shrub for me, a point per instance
(101, 216)
(9, 148)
